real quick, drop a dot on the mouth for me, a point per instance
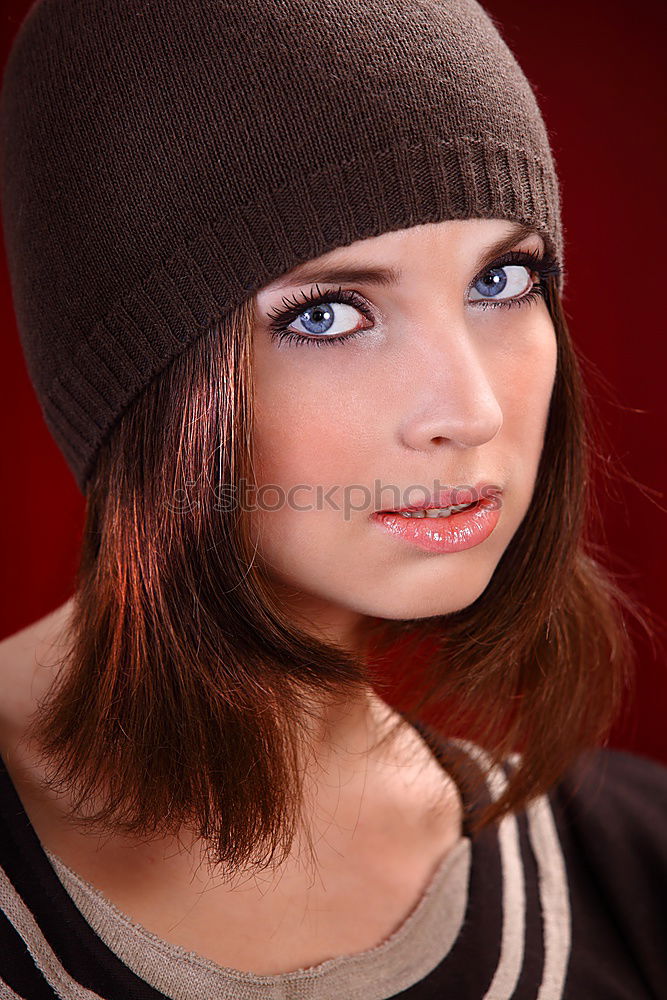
(442, 529)
(433, 511)
(449, 502)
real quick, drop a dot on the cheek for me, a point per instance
(525, 396)
(303, 448)
(312, 440)
(308, 430)
(532, 379)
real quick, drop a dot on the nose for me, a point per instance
(450, 394)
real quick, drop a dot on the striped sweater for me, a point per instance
(567, 899)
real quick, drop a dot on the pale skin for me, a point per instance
(436, 388)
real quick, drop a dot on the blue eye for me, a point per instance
(318, 317)
(499, 286)
(509, 281)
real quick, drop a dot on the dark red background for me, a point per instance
(599, 74)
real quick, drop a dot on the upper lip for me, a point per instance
(466, 493)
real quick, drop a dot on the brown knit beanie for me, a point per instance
(162, 160)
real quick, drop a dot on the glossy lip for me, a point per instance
(459, 531)
(450, 497)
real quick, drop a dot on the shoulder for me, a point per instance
(610, 814)
(607, 793)
(593, 852)
(611, 806)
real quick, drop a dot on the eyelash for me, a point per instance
(543, 264)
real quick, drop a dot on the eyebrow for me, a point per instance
(312, 272)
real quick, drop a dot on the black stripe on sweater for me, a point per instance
(84, 956)
(18, 969)
(527, 987)
(480, 935)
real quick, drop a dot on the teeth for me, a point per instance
(436, 511)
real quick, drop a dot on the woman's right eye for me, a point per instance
(324, 318)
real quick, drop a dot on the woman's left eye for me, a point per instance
(501, 283)
(325, 316)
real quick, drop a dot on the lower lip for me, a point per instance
(459, 531)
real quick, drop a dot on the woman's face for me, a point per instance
(442, 387)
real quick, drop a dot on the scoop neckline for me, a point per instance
(84, 935)
(457, 856)
(456, 862)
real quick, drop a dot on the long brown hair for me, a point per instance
(182, 667)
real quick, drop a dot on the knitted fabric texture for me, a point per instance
(162, 161)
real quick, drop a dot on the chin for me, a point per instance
(427, 600)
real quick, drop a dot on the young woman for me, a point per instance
(288, 280)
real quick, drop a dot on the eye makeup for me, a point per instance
(540, 264)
